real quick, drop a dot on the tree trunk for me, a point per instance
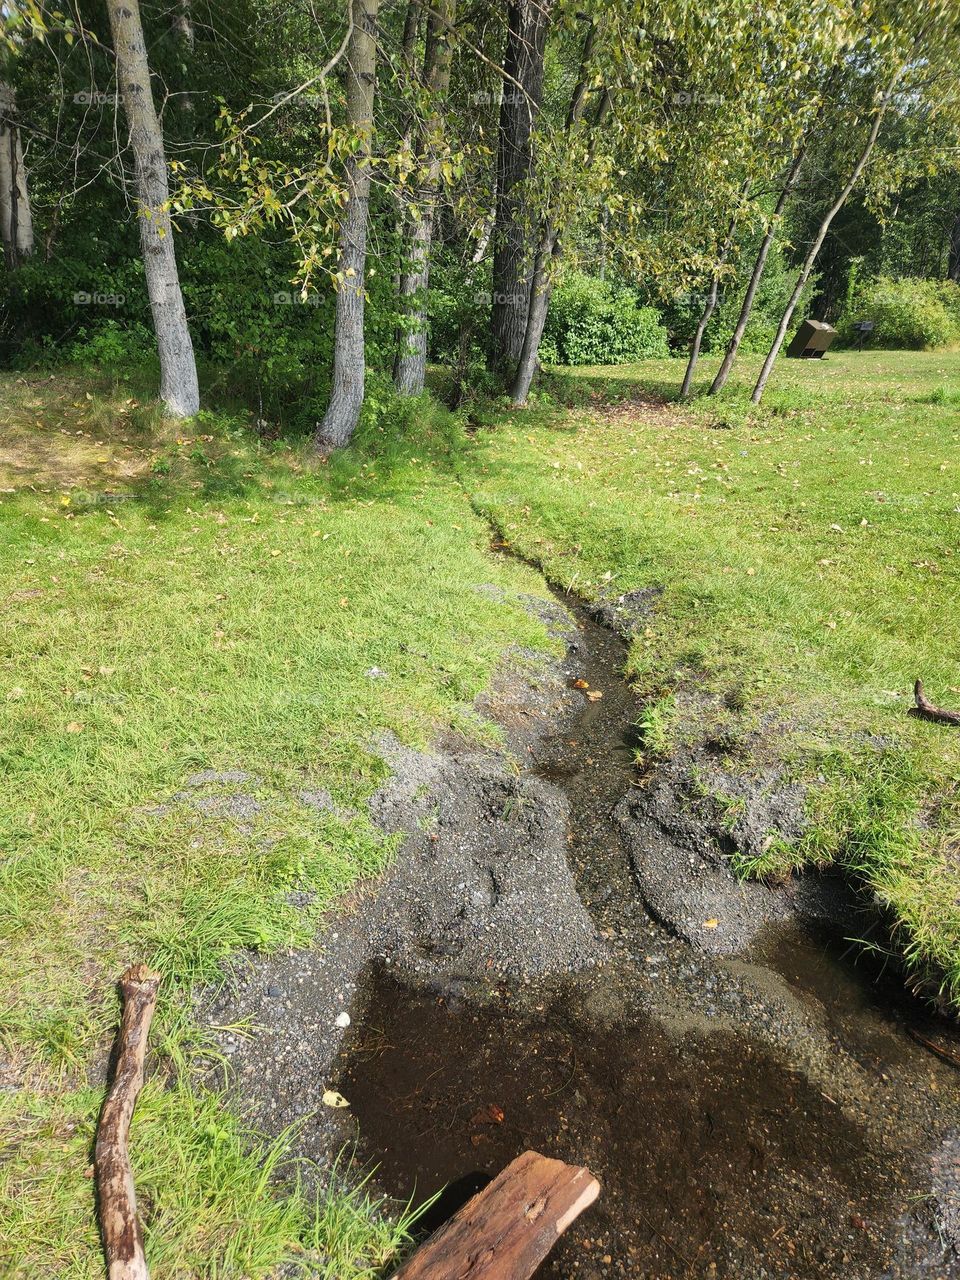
(746, 308)
(708, 310)
(349, 348)
(411, 33)
(541, 284)
(181, 23)
(411, 368)
(814, 250)
(16, 217)
(184, 33)
(523, 68)
(953, 253)
(178, 369)
(540, 291)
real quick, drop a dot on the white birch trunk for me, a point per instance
(411, 370)
(178, 369)
(16, 216)
(349, 348)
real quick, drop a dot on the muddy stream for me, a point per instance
(752, 1101)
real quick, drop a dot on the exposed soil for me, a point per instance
(558, 961)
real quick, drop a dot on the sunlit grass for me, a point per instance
(223, 606)
(809, 556)
(214, 1200)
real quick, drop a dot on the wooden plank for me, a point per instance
(506, 1230)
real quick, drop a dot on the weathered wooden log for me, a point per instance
(926, 709)
(119, 1225)
(508, 1228)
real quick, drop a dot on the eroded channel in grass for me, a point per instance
(755, 1115)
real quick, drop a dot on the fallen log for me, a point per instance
(508, 1228)
(927, 711)
(119, 1224)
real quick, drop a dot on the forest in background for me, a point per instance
(515, 185)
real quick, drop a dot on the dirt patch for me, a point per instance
(483, 891)
(625, 613)
(680, 829)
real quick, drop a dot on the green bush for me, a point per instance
(110, 345)
(912, 313)
(593, 322)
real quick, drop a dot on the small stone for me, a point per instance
(273, 990)
(343, 1019)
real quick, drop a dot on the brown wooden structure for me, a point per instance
(508, 1228)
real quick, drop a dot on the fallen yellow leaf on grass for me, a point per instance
(74, 727)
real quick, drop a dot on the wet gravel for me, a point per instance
(556, 944)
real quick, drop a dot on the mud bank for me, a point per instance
(560, 959)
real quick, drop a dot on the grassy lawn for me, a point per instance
(181, 607)
(809, 555)
(174, 605)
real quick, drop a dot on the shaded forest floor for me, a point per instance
(185, 611)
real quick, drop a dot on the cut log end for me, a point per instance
(138, 977)
(506, 1231)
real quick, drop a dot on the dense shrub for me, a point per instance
(268, 348)
(591, 321)
(911, 313)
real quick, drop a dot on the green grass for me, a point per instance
(174, 604)
(809, 555)
(215, 1201)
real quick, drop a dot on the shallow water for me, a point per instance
(720, 1149)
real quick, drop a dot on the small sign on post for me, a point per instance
(863, 330)
(811, 341)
